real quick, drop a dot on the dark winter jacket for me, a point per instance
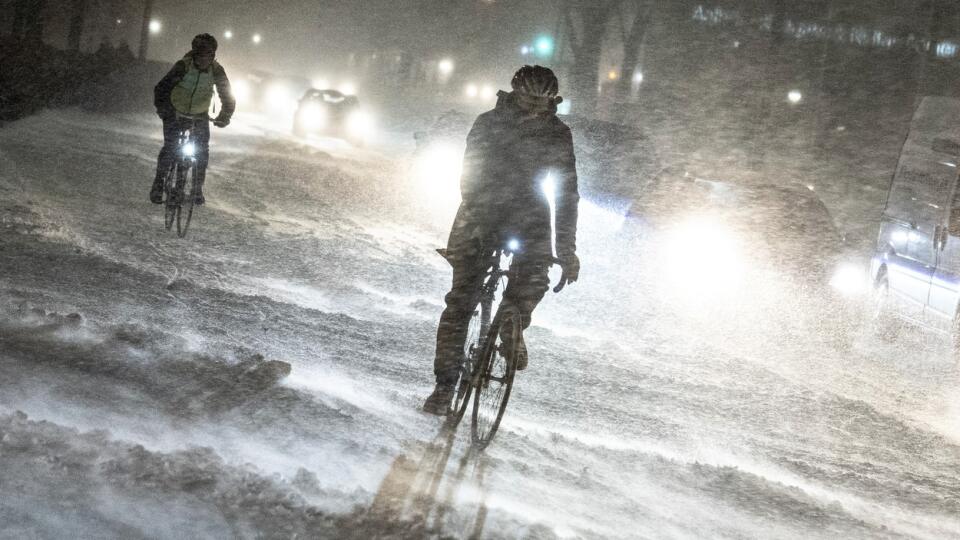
(189, 90)
(508, 157)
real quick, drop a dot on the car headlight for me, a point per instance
(360, 124)
(313, 116)
(702, 256)
(241, 91)
(849, 279)
(436, 173)
(280, 98)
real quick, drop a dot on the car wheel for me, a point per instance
(885, 323)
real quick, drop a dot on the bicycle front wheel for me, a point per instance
(472, 349)
(171, 202)
(185, 212)
(494, 377)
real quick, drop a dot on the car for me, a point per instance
(334, 114)
(718, 242)
(915, 269)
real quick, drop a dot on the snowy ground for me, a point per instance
(262, 377)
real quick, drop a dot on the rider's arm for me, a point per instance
(161, 92)
(477, 147)
(568, 196)
(226, 95)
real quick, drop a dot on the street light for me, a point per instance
(257, 39)
(228, 34)
(544, 45)
(445, 66)
(155, 26)
(794, 96)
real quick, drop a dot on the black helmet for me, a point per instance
(535, 81)
(204, 42)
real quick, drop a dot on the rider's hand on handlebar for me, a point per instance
(571, 271)
(221, 121)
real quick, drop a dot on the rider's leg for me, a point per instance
(452, 331)
(165, 159)
(202, 138)
(524, 292)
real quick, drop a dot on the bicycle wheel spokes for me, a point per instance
(494, 379)
(170, 205)
(471, 351)
(188, 188)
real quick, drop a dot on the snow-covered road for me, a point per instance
(156, 410)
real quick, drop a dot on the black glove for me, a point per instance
(571, 271)
(221, 121)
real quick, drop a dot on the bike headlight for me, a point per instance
(513, 244)
(189, 149)
(849, 279)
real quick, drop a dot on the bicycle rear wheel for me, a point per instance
(494, 378)
(472, 347)
(189, 188)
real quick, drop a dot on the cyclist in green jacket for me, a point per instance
(186, 91)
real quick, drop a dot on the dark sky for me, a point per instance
(302, 35)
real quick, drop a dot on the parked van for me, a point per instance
(916, 266)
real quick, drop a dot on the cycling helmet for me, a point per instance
(204, 42)
(535, 81)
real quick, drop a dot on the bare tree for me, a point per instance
(586, 27)
(145, 29)
(78, 14)
(639, 14)
(28, 20)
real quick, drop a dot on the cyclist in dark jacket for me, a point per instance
(187, 90)
(512, 152)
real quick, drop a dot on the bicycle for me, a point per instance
(182, 171)
(488, 365)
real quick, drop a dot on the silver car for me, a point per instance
(916, 266)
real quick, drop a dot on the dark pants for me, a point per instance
(524, 291)
(171, 134)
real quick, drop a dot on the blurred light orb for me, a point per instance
(228, 34)
(155, 26)
(241, 90)
(638, 77)
(525, 50)
(348, 89)
(613, 75)
(513, 244)
(472, 91)
(445, 66)
(794, 96)
(544, 45)
(320, 83)
(257, 38)
(487, 92)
